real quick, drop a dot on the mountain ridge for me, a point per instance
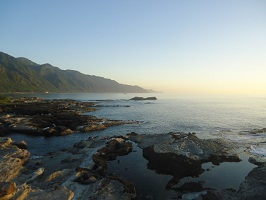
(23, 75)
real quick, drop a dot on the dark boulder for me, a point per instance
(114, 148)
(178, 166)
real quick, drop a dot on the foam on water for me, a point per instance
(257, 150)
(193, 195)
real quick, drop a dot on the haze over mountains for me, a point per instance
(24, 75)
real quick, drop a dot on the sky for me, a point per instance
(185, 47)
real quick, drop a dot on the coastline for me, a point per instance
(82, 171)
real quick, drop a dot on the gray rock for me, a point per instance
(79, 177)
(111, 190)
(57, 193)
(254, 186)
(221, 195)
(188, 145)
(35, 175)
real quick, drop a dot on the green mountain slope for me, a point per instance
(23, 75)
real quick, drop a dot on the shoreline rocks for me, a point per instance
(51, 117)
(12, 159)
(62, 175)
(82, 171)
(182, 155)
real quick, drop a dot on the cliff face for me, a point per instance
(23, 75)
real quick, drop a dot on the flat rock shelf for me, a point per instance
(168, 166)
(176, 165)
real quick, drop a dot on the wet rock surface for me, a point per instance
(178, 166)
(66, 174)
(182, 155)
(254, 186)
(115, 147)
(51, 117)
(256, 131)
(12, 160)
(82, 172)
(190, 146)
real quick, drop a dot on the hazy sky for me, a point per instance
(187, 46)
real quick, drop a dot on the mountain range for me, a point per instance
(24, 75)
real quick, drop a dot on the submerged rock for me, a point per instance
(220, 195)
(256, 131)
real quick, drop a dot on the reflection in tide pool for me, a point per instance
(224, 176)
(151, 185)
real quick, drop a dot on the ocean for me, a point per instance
(209, 117)
(230, 118)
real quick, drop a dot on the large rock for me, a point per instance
(142, 98)
(188, 145)
(12, 159)
(115, 147)
(182, 155)
(61, 193)
(254, 186)
(178, 166)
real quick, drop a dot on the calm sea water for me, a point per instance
(221, 117)
(207, 116)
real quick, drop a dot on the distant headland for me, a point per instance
(24, 75)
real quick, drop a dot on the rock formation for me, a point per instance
(51, 117)
(142, 98)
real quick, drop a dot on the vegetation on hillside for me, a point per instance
(4, 99)
(23, 75)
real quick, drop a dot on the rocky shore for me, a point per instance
(86, 170)
(82, 172)
(51, 117)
